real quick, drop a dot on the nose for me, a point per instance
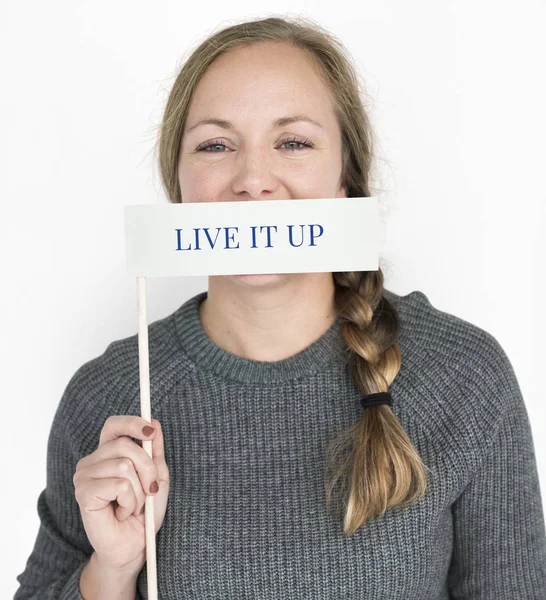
(254, 176)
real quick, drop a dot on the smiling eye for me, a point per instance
(293, 140)
(305, 143)
(209, 145)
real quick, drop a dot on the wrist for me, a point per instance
(127, 572)
(98, 581)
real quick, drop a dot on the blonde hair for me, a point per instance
(374, 459)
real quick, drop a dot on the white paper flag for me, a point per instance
(252, 237)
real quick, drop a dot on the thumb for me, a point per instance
(158, 452)
(158, 456)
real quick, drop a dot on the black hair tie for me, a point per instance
(375, 399)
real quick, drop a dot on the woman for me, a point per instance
(277, 471)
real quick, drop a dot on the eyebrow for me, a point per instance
(278, 123)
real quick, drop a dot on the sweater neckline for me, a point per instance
(328, 351)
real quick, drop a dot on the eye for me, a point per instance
(302, 142)
(207, 145)
(293, 140)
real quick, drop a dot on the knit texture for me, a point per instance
(245, 445)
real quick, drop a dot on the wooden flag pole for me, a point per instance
(146, 413)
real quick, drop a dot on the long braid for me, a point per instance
(382, 467)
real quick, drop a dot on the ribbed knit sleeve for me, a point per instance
(62, 549)
(499, 545)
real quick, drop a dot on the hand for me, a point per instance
(111, 486)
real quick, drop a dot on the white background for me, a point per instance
(458, 96)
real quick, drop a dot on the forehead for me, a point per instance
(266, 75)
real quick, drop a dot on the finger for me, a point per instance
(123, 447)
(94, 495)
(117, 426)
(115, 467)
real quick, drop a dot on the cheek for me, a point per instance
(310, 181)
(199, 185)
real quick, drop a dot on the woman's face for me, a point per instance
(251, 156)
(255, 152)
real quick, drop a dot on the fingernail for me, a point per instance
(147, 430)
(154, 488)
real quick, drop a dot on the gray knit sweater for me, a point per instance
(245, 442)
